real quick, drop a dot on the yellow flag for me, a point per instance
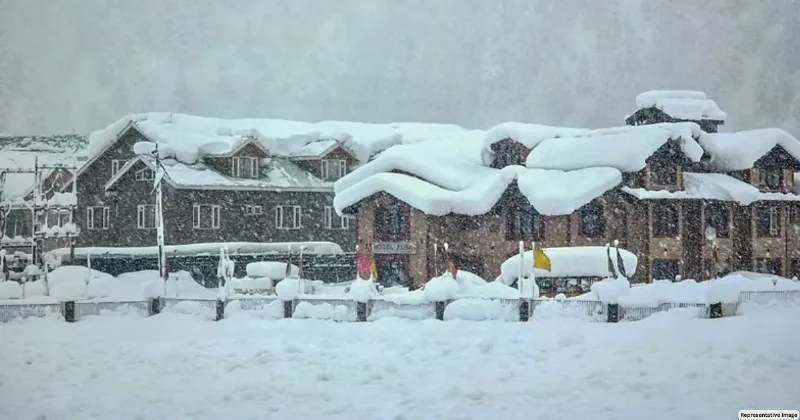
(541, 260)
(373, 269)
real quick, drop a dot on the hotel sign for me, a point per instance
(394, 248)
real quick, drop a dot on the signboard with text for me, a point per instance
(394, 248)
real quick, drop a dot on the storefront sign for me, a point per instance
(394, 248)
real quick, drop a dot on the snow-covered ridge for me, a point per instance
(279, 137)
(740, 150)
(682, 104)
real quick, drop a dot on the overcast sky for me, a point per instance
(77, 65)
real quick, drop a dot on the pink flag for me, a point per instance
(362, 262)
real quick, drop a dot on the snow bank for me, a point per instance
(609, 290)
(251, 284)
(243, 308)
(289, 289)
(481, 310)
(682, 104)
(10, 290)
(325, 310)
(552, 309)
(441, 289)
(740, 150)
(274, 270)
(211, 248)
(362, 290)
(711, 186)
(581, 261)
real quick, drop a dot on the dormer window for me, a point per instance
(333, 169)
(771, 178)
(145, 174)
(244, 167)
(663, 173)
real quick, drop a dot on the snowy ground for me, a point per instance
(176, 366)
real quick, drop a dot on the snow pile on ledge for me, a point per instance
(441, 289)
(325, 310)
(251, 284)
(270, 310)
(481, 310)
(710, 186)
(580, 261)
(211, 248)
(740, 150)
(362, 290)
(610, 290)
(274, 270)
(624, 148)
(288, 289)
(529, 135)
(682, 104)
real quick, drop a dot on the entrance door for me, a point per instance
(393, 273)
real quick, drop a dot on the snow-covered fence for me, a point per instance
(13, 311)
(769, 296)
(628, 313)
(83, 309)
(380, 308)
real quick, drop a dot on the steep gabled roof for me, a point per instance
(682, 104)
(318, 150)
(741, 150)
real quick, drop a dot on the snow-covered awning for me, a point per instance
(740, 150)
(624, 148)
(682, 104)
(580, 261)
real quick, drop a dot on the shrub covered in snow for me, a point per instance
(609, 289)
(362, 290)
(442, 288)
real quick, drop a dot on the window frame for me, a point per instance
(237, 167)
(105, 215)
(656, 170)
(296, 217)
(514, 220)
(141, 216)
(215, 215)
(330, 215)
(253, 210)
(325, 169)
(726, 212)
(765, 174)
(140, 174)
(774, 223)
(117, 165)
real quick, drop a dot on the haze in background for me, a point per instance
(77, 65)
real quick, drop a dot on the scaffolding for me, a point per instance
(41, 201)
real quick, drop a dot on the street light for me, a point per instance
(711, 236)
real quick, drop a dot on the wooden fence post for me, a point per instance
(69, 311)
(613, 312)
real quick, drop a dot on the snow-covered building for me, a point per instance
(665, 106)
(655, 188)
(248, 180)
(25, 163)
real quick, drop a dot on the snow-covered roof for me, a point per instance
(712, 186)
(280, 137)
(624, 148)
(21, 152)
(579, 261)
(279, 175)
(550, 192)
(529, 135)
(682, 104)
(314, 149)
(211, 248)
(740, 150)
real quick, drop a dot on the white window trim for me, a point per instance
(297, 217)
(774, 220)
(116, 165)
(236, 166)
(330, 216)
(215, 216)
(325, 169)
(106, 213)
(253, 210)
(140, 174)
(141, 216)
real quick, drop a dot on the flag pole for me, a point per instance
(521, 265)
(533, 275)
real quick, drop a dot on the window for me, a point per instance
(59, 218)
(393, 220)
(665, 269)
(768, 221)
(592, 220)
(97, 217)
(288, 217)
(252, 210)
(333, 169)
(116, 165)
(244, 167)
(664, 173)
(524, 222)
(769, 266)
(794, 214)
(333, 221)
(146, 216)
(717, 215)
(794, 268)
(145, 174)
(771, 178)
(205, 216)
(665, 220)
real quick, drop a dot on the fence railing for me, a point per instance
(348, 310)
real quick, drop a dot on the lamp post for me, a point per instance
(711, 236)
